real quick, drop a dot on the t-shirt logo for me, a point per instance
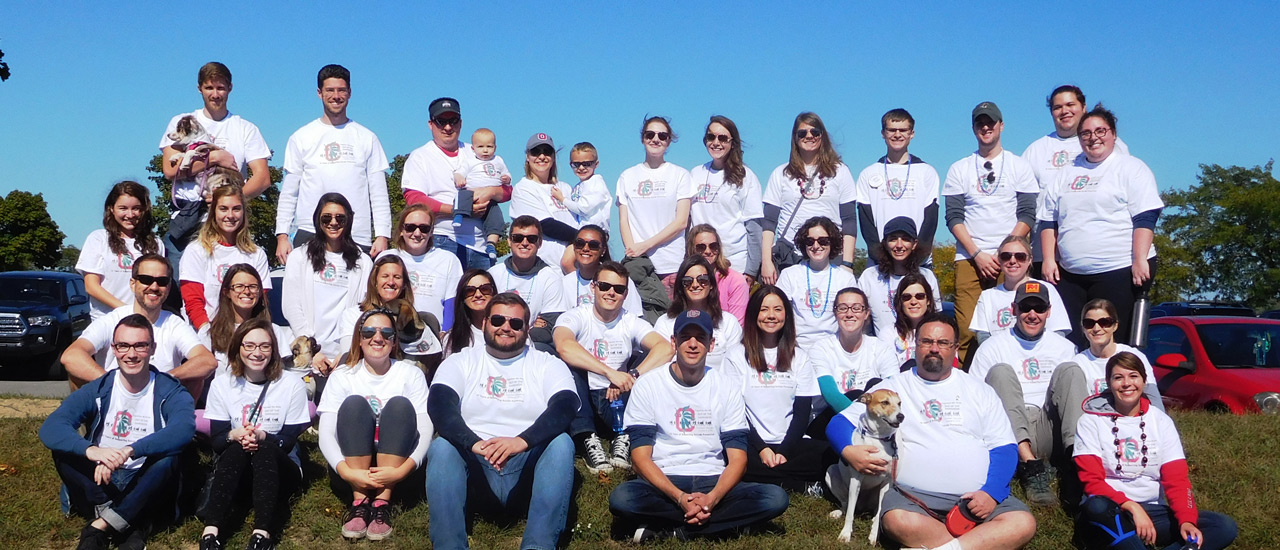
(1004, 318)
(645, 188)
(122, 425)
(1099, 385)
(375, 404)
(769, 376)
(813, 298)
(497, 386)
(686, 419)
(246, 415)
(1129, 450)
(932, 410)
(704, 191)
(988, 187)
(576, 193)
(1060, 159)
(125, 261)
(413, 280)
(1031, 368)
(556, 203)
(848, 379)
(896, 188)
(1079, 183)
(601, 348)
(490, 170)
(332, 152)
(330, 273)
(221, 272)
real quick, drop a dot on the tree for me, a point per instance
(4, 68)
(1221, 237)
(70, 255)
(944, 268)
(29, 238)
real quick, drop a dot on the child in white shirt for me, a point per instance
(589, 202)
(489, 170)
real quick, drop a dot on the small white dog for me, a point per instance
(191, 138)
(876, 428)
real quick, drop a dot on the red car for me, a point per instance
(1217, 363)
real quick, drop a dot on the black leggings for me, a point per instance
(395, 428)
(806, 463)
(1116, 286)
(274, 476)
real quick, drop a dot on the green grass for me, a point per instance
(1234, 468)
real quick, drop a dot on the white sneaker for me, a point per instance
(620, 452)
(596, 459)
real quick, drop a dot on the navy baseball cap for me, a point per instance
(900, 224)
(443, 105)
(696, 317)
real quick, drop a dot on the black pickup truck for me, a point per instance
(41, 313)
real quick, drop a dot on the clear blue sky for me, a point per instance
(94, 84)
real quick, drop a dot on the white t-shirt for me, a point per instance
(769, 395)
(949, 429)
(402, 379)
(331, 286)
(531, 198)
(1093, 205)
(502, 398)
(129, 418)
(590, 202)
(893, 190)
(1094, 437)
(726, 337)
(994, 312)
(233, 134)
(813, 296)
(430, 171)
(485, 173)
(1048, 156)
(880, 294)
(335, 159)
(542, 291)
(284, 339)
(851, 371)
(651, 196)
(1095, 371)
(175, 339)
(1033, 361)
(726, 207)
(577, 291)
(990, 209)
(689, 419)
(116, 269)
(611, 343)
(433, 277)
(823, 197)
(198, 266)
(232, 399)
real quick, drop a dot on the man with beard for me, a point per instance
(502, 410)
(955, 448)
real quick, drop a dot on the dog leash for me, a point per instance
(893, 480)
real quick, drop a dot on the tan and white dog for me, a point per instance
(876, 427)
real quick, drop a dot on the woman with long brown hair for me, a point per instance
(728, 198)
(106, 259)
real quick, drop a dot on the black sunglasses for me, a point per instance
(146, 280)
(496, 321)
(722, 138)
(587, 244)
(620, 288)
(409, 228)
(991, 174)
(451, 121)
(1038, 307)
(327, 219)
(1105, 322)
(662, 136)
(542, 151)
(919, 296)
(486, 289)
(804, 133)
(368, 332)
(521, 237)
(1022, 257)
(702, 247)
(809, 241)
(703, 280)
(582, 164)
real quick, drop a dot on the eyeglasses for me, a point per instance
(409, 228)
(688, 281)
(991, 172)
(1021, 257)
(1099, 133)
(368, 332)
(521, 237)
(240, 287)
(806, 132)
(486, 289)
(722, 138)
(1038, 307)
(1105, 322)
(451, 121)
(850, 308)
(147, 280)
(620, 288)
(587, 244)
(496, 321)
(340, 219)
(582, 164)
(254, 346)
(926, 343)
(124, 347)
(810, 241)
(542, 151)
(662, 136)
(702, 247)
(891, 131)
(919, 296)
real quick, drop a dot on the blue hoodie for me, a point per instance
(174, 418)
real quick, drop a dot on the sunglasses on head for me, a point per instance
(368, 332)
(447, 121)
(542, 151)
(1022, 257)
(662, 136)
(410, 228)
(496, 321)
(486, 289)
(702, 247)
(702, 280)
(1105, 322)
(146, 280)
(806, 132)
(1037, 306)
(810, 241)
(582, 164)
(587, 244)
(620, 288)
(521, 237)
(722, 138)
(340, 219)
(919, 296)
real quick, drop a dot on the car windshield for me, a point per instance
(1241, 344)
(30, 290)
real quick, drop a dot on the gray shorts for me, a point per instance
(941, 503)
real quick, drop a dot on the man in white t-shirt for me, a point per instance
(955, 448)
(178, 350)
(528, 276)
(1019, 364)
(989, 195)
(429, 179)
(887, 190)
(501, 410)
(597, 341)
(334, 154)
(688, 429)
(138, 420)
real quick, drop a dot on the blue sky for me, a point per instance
(94, 84)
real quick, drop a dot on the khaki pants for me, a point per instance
(968, 287)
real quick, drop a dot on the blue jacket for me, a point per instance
(174, 418)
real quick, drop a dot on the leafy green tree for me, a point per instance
(1221, 237)
(29, 238)
(394, 191)
(70, 255)
(944, 268)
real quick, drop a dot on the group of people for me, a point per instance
(721, 359)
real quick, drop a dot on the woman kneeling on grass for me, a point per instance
(374, 428)
(256, 416)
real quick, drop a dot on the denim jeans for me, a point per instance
(469, 258)
(595, 413)
(122, 501)
(638, 502)
(457, 478)
(1103, 525)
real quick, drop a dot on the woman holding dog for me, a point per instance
(696, 288)
(1134, 471)
(432, 273)
(475, 289)
(224, 240)
(106, 259)
(374, 428)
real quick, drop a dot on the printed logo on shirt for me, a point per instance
(1083, 183)
(246, 413)
(125, 261)
(497, 386)
(686, 419)
(586, 299)
(1005, 317)
(988, 187)
(769, 376)
(122, 425)
(490, 170)
(1130, 450)
(932, 410)
(848, 380)
(704, 191)
(1031, 369)
(556, 203)
(601, 348)
(332, 152)
(507, 390)
(422, 347)
(814, 297)
(329, 274)
(1059, 159)
(576, 193)
(649, 188)
(375, 404)
(896, 188)
(221, 272)
(1099, 384)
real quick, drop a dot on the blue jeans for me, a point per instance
(638, 502)
(594, 412)
(1103, 525)
(469, 258)
(541, 476)
(122, 501)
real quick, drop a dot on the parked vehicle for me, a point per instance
(41, 313)
(1272, 314)
(1217, 363)
(1165, 309)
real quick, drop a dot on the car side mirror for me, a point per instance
(79, 299)
(1176, 361)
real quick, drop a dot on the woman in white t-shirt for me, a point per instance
(475, 289)
(698, 290)
(653, 203)
(994, 312)
(813, 183)
(912, 302)
(224, 240)
(814, 282)
(728, 197)
(1098, 221)
(323, 279)
(432, 273)
(257, 415)
(532, 196)
(1135, 475)
(703, 240)
(106, 259)
(388, 282)
(899, 255)
(779, 386)
(240, 299)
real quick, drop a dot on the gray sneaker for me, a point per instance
(596, 459)
(1036, 482)
(620, 452)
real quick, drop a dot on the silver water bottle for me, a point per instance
(1141, 316)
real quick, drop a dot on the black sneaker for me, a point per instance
(135, 539)
(595, 457)
(92, 538)
(1036, 482)
(210, 542)
(259, 542)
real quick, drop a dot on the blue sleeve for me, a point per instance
(734, 439)
(1003, 462)
(1147, 220)
(59, 431)
(840, 432)
(179, 411)
(1046, 225)
(831, 393)
(770, 220)
(642, 435)
(446, 324)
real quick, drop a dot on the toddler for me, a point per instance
(488, 170)
(590, 199)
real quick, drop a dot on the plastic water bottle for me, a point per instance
(617, 407)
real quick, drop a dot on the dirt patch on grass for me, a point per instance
(11, 407)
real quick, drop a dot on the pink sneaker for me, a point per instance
(380, 526)
(357, 520)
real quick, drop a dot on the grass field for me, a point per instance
(1235, 467)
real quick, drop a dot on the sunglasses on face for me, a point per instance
(662, 136)
(147, 280)
(1021, 257)
(124, 347)
(919, 296)
(518, 238)
(582, 164)
(496, 321)
(589, 245)
(542, 151)
(688, 281)
(810, 241)
(410, 228)
(806, 132)
(702, 247)
(447, 121)
(368, 332)
(340, 219)
(722, 138)
(1038, 307)
(620, 288)
(1105, 322)
(484, 290)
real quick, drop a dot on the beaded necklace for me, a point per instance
(905, 182)
(1115, 433)
(822, 185)
(830, 272)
